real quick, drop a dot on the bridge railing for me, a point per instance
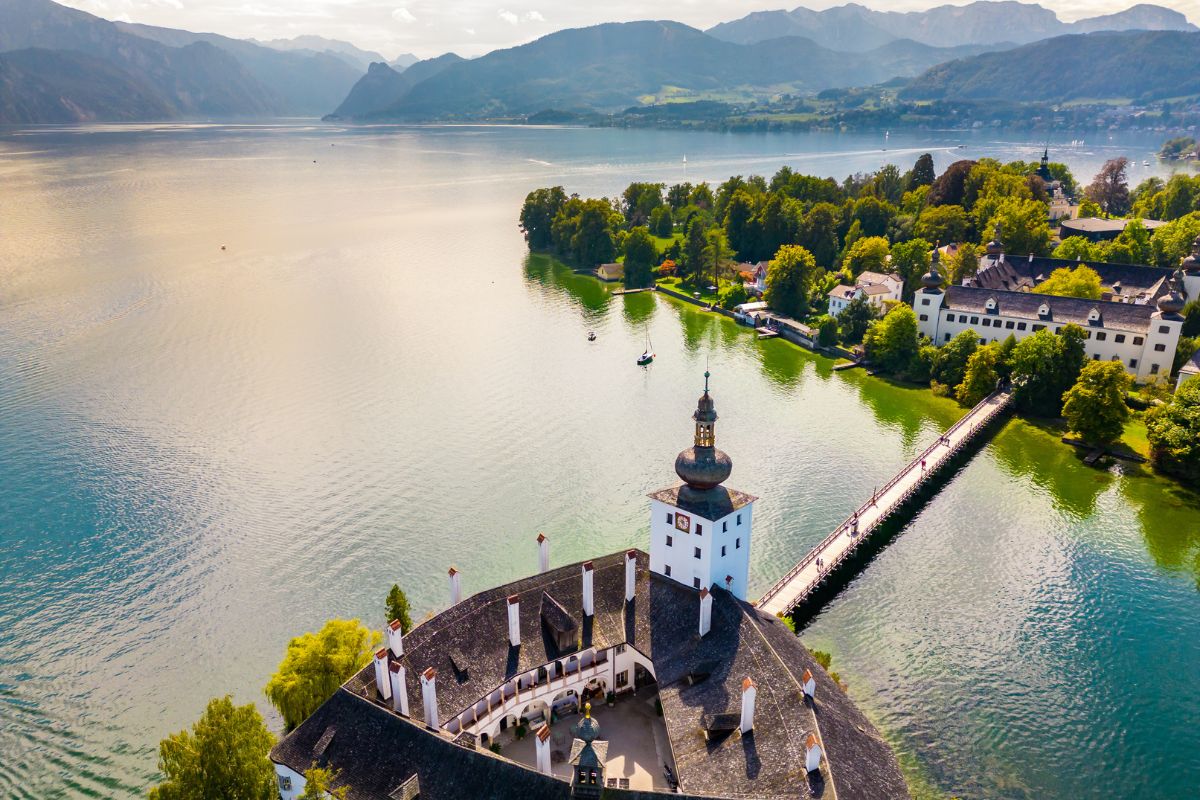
(977, 416)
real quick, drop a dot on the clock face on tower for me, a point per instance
(683, 522)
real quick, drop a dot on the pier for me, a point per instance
(794, 588)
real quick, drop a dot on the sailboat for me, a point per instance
(648, 355)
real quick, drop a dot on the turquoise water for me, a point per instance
(204, 452)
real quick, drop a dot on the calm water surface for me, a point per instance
(204, 452)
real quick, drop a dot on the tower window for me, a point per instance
(724, 526)
(1133, 363)
(670, 518)
(722, 551)
(1138, 340)
(696, 583)
(699, 530)
(1119, 338)
(670, 540)
(696, 552)
(1159, 348)
(667, 570)
(1154, 369)
(1163, 329)
(737, 543)
(739, 519)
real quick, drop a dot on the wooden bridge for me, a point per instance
(798, 584)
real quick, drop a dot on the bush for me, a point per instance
(822, 658)
(732, 295)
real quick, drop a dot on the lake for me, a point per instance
(250, 376)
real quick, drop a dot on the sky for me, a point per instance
(474, 27)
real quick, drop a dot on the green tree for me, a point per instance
(1173, 241)
(594, 243)
(869, 253)
(911, 260)
(716, 252)
(1095, 406)
(827, 331)
(950, 187)
(640, 257)
(1081, 281)
(892, 342)
(952, 358)
(777, 225)
(661, 223)
(639, 200)
(855, 319)
(537, 216)
(818, 232)
(397, 608)
(733, 294)
(1173, 430)
(693, 247)
(1044, 366)
(741, 228)
(789, 280)
(964, 263)
(873, 215)
(316, 664)
(943, 224)
(224, 755)
(318, 785)
(980, 377)
(1089, 209)
(922, 172)
(1024, 223)
(1077, 248)
(889, 184)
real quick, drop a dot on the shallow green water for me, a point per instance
(206, 451)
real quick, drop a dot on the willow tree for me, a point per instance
(225, 754)
(316, 664)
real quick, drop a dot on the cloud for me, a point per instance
(508, 16)
(403, 15)
(534, 16)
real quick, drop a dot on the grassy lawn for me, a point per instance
(663, 242)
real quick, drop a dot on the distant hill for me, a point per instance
(302, 82)
(403, 62)
(58, 86)
(1139, 65)
(196, 80)
(354, 56)
(383, 87)
(612, 66)
(855, 28)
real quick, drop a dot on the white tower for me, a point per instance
(928, 300)
(700, 530)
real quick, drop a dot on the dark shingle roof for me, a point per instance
(554, 615)
(711, 504)
(1119, 316)
(1017, 272)
(661, 623)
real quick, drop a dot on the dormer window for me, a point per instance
(1094, 317)
(991, 305)
(1043, 310)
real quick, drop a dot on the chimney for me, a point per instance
(429, 696)
(395, 638)
(589, 606)
(705, 612)
(382, 683)
(630, 574)
(543, 750)
(455, 587)
(808, 684)
(399, 690)
(543, 553)
(749, 693)
(812, 753)
(514, 620)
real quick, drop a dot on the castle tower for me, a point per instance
(700, 530)
(928, 300)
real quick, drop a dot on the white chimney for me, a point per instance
(630, 574)
(395, 638)
(812, 753)
(399, 690)
(589, 605)
(455, 587)
(705, 612)
(808, 683)
(543, 750)
(514, 621)
(543, 553)
(749, 693)
(382, 682)
(429, 696)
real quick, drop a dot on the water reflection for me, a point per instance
(549, 272)
(1032, 450)
(1168, 519)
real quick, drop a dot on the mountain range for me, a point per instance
(615, 65)
(176, 73)
(855, 28)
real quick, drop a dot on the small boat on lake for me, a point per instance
(647, 355)
(591, 336)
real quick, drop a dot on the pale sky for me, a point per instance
(474, 27)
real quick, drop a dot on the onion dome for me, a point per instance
(1172, 302)
(996, 246)
(703, 466)
(933, 280)
(588, 729)
(1192, 262)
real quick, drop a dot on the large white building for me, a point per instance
(746, 711)
(876, 287)
(1138, 322)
